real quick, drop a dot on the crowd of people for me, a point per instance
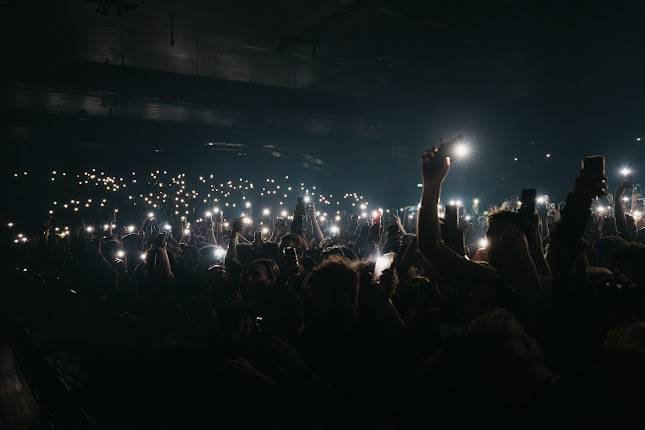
(311, 317)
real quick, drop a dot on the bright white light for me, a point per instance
(143, 256)
(475, 201)
(483, 242)
(625, 171)
(283, 214)
(459, 203)
(216, 210)
(600, 210)
(411, 216)
(266, 211)
(540, 200)
(625, 199)
(334, 229)
(219, 252)
(548, 155)
(106, 226)
(337, 218)
(451, 203)
(307, 199)
(89, 229)
(187, 231)
(131, 228)
(637, 215)
(461, 150)
(167, 227)
(363, 214)
(323, 219)
(151, 214)
(265, 230)
(247, 205)
(120, 253)
(246, 220)
(208, 214)
(363, 207)
(468, 217)
(10, 224)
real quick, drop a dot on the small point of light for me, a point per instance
(131, 228)
(143, 256)
(638, 215)
(89, 229)
(307, 199)
(208, 214)
(475, 201)
(265, 230)
(151, 214)
(334, 229)
(266, 211)
(468, 217)
(10, 224)
(540, 200)
(120, 253)
(167, 227)
(483, 242)
(625, 199)
(514, 158)
(247, 205)
(246, 220)
(548, 155)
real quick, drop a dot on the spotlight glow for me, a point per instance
(625, 171)
(461, 150)
(334, 229)
(483, 242)
(120, 253)
(219, 252)
(266, 211)
(131, 229)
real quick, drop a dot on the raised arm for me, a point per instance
(435, 166)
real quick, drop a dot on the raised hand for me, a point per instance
(434, 166)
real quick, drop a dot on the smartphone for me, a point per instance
(593, 167)
(383, 262)
(291, 256)
(451, 217)
(528, 200)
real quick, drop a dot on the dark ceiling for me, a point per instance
(347, 70)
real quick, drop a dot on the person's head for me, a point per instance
(262, 272)
(501, 351)
(629, 261)
(133, 243)
(283, 314)
(605, 248)
(625, 354)
(503, 222)
(334, 295)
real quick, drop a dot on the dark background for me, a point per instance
(343, 93)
